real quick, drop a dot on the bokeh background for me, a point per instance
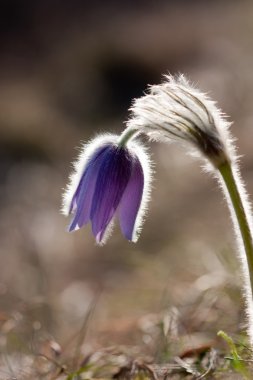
(68, 71)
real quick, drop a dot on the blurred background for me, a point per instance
(68, 71)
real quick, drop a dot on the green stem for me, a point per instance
(241, 216)
(126, 136)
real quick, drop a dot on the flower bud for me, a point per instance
(175, 110)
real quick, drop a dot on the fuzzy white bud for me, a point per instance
(175, 110)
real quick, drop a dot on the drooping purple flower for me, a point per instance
(109, 179)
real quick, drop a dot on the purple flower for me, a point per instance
(109, 179)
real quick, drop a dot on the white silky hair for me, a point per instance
(176, 110)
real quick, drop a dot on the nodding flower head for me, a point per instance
(177, 111)
(109, 178)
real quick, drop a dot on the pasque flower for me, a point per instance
(109, 178)
(112, 175)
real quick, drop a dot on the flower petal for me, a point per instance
(113, 178)
(131, 201)
(82, 199)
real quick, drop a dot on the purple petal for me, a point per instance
(113, 177)
(131, 200)
(82, 199)
(73, 204)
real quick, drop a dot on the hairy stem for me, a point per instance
(241, 219)
(127, 135)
